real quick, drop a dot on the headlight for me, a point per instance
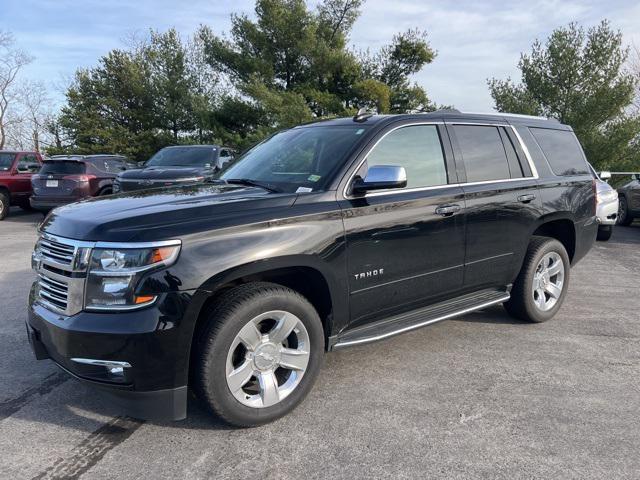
(607, 196)
(114, 274)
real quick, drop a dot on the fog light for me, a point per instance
(116, 371)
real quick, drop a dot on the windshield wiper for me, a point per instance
(253, 183)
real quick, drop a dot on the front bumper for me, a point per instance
(150, 340)
(607, 212)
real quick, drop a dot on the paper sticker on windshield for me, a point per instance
(304, 190)
(313, 178)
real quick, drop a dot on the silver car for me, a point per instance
(606, 205)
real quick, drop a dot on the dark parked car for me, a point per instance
(324, 236)
(16, 169)
(629, 206)
(176, 166)
(67, 179)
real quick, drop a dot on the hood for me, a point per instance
(164, 173)
(150, 215)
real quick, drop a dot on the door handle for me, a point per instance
(447, 210)
(526, 198)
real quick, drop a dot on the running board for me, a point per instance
(422, 317)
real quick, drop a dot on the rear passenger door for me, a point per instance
(502, 201)
(403, 250)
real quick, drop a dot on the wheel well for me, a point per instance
(562, 230)
(307, 281)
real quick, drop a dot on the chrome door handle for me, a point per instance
(448, 210)
(526, 198)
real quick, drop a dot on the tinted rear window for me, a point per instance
(482, 152)
(562, 150)
(62, 167)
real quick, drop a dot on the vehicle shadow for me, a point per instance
(495, 314)
(629, 235)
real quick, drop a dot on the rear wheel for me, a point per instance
(4, 205)
(541, 286)
(604, 232)
(624, 218)
(105, 191)
(259, 354)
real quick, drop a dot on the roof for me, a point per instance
(447, 115)
(84, 157)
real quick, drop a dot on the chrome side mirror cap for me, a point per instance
(381, 177)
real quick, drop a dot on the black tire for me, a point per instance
(5, 204)
(624, 218)
(604, 232)
(26, 207)
(521, 305)
(105, 191)
(226, 318)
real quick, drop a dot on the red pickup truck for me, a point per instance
(16, 169)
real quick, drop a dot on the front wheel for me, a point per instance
(624, 218)
(4, 205)
(541, 286)
(259, 354)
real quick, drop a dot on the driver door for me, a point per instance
(403, 250)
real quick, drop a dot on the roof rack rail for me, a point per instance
(446, 110)
(515, 115)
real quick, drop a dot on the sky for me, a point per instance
(474, 40)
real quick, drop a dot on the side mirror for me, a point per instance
(605, 175)
(381, 177)
(140, 164)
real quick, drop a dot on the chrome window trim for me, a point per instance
(534, 170)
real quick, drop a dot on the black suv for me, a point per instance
(176, 165)
(327, 235)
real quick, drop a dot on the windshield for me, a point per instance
(6, 160)
(182, 157)
(301, 159)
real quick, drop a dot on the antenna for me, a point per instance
(362, 115)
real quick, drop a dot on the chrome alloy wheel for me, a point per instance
(548, 281)
(267, 359)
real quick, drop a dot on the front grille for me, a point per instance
(54, 292)
(60, 264)
(56, 251)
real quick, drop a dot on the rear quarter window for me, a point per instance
(562, 150)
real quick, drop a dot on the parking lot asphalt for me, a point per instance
(480, 396)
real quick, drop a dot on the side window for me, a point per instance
(99, 164)
(562, 150)
(224, 153)
(483, 153)
(418, 149)
(27, 164)
(114, 165)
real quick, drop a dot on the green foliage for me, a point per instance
(578, 78)
(292, 64)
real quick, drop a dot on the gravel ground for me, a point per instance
(478, 396)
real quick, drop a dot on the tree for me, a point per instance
(577, 77)
(12, 60)
(291, 64)
(138, 100)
